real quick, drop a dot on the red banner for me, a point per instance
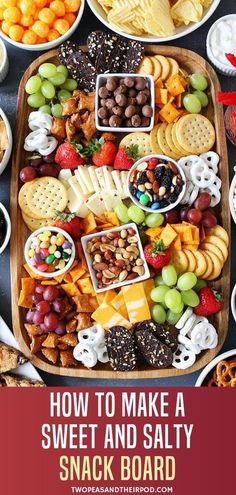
(117, 441)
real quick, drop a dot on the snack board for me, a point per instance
(192, 63)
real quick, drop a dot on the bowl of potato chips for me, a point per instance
(5, 141)
(153, 20)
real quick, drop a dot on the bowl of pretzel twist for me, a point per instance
(221, 372)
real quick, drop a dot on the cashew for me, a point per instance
(132, 239)
(133, 249)
(107, 247)
(108, 274)
(139, 270)
(139, 262)
(97, 258)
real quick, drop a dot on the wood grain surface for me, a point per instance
(192, 63)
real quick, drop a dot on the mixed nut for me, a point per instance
(156, 184)
(115, 257)
(125, 102)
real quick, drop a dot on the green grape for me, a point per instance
(198, 81)
(57, 110)
(154, 219)
(36, 100)
(158, 314)
(190, 298)
(186, 281)
(178, 309)
(136, 214)
(48, 90)
(192, 103)
(58, 79)
(158, 293)
(173, 299)
(173, 318)
(200, 284)
(63, 70)
(159, 280)
(47, 70)
(169, 275)
(202, 97)
(63, 94)
(33, 85)
(70, 84)
(45, 109)
(122, 213)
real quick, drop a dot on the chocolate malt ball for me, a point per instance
(140, 83)
(147, 111)
(103, 92)
(121, 100)
(105, 122)
(110, 103)
(103, 113)
(132, 92)
(130, 111)
(146, 91)
(129, 82)
(131, 101)
(111, 83)
(117, 110)
(103, 102)
(145, 122)
(141, 98)
(136, 121)
(115, 121)
(120, 90)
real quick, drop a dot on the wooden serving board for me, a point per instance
(192, 63)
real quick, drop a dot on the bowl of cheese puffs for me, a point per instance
(153, 20)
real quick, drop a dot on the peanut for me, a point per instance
(123, 275)
(97, 258)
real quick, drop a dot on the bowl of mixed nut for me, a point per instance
(115, 257)
(156, 183)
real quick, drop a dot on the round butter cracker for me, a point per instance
(142, 139)
(161, 137)
(45, 195)
(22, 198)
(195, 133)
(154, 141)
(36, 223)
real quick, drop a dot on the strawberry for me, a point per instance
(157, 255)
(126, 157)
(210, 302)
(103, 152)
(68, 222)
(68, 157)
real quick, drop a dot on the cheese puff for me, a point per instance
(72, 5)
(27, 7)
(58, 7)
(6, 27)
(61, 25)
(16, 32)
(69, 17)
(27, 20)
(46, 15)
(29, 37)
(12, 14)
(53, 35)
(41, 29)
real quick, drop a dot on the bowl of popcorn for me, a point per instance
(152, 20)
(40, 24)
(49, 251)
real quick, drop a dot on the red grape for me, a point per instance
(43, 328)
(35, 162)
(27, 174)
(38, 318)
(51, 321)
(43, 307)
(172, 216)
(203, 201)
(29, 316)
(184, 213)
(50, 158)
(39, 289)
(194, 216)
(50, 293)
(59, 305)
(208, 219)
(48, 170)
(36, 298)
(61, 329)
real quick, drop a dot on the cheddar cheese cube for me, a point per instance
(119, 304)
(136, 303)
(108, 317)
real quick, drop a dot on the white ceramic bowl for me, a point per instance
(4, 66)
(232, 192)
(7, 153)
(172, 205)
(85, 239)
(212, 365)
(50, 44)
(180, 32)
(8, 228)
(233, 302)
(57, 272)
(101, 79)
(226, 69)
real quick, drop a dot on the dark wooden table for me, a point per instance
(19, 61)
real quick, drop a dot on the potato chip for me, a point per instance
(186, 11)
